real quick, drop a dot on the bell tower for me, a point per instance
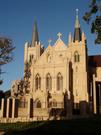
(35, 49)
(78, 49)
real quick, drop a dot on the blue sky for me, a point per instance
(53, 16)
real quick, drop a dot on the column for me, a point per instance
(43, 88)
(54, 80)
(67, 75)
(91, 89)
(9, 108)
(91, 98)
(2, 107)
(99, 85)
(94, 94)
(7, 112)
(13, 107)
(43, 85)
(16, 112)
(29, 108)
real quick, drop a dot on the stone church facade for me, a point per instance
(60, 82)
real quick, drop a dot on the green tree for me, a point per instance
(6, 56)
(93, 17)
(27, 75)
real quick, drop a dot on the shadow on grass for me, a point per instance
(63, 127)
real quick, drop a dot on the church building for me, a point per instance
(60, 82)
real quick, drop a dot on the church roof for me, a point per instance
(94, 61)
(59, 45)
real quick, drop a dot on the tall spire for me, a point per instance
(35, 37)
(77, 31)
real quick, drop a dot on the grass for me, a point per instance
(63, 127)
(19, 126)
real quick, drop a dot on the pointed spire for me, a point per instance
(35, 37)
(77, 24)
(77, 31)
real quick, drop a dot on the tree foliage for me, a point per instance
(27, 75)
(6, 49)
(93, 17)
(24, 84)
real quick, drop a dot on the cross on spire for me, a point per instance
(77, 24)
(77, 12)
(59, 35)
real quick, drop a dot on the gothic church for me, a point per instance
(60, 82)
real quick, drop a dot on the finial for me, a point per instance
(70, 38)
(59, 35)
(49, 41)
(77, 32)
(77, 24)
(77, 12)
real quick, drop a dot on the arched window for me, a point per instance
(59, 82)
(37, 82)
(48, 82)
(31, 57)
(76, 57)
(38, 103)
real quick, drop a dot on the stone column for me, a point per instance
(44, 87)
(67, 76)
(91, 89)
(91, 98)
(29, 108)
(99, 85)
(67, 106)
(13, 107)
(16, 114)
(43, 80)
(54, 80)
(2, 107)
(94, 94)
(7, 112)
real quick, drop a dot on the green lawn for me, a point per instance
(63, 127)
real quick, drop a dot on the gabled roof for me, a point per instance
(59, 45)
